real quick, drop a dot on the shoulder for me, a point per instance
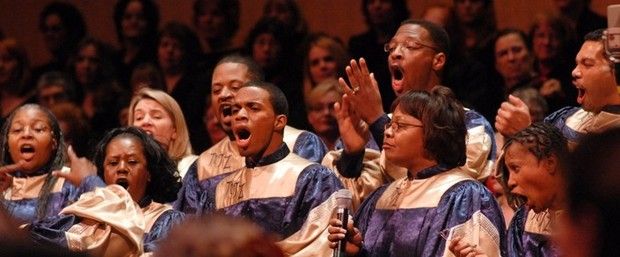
(561, 114)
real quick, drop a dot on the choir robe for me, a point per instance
(109, 211)
(374, 170)
(406, 217)
(22, 197)
(284, 194)
(575, 122)
(529, 235)
(224, 157)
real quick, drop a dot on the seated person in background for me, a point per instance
(282, 192)
(33, 147)
(406, 217)
(230, 74)
(141, 178)
(54, 88)
(324, 58)
(201, 236)
(531, 171)
(320, 104)
(75, 128)
(159, 115)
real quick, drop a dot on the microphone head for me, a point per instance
(343, 198)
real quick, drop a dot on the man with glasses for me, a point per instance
(416, 57)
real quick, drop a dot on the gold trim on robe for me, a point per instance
(185, 163)
(478, 231)
(538, 223)
(152, 212)
(30, 187)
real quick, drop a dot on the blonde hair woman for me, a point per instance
(325, 58)
(160, 116)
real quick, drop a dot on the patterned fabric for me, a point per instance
(529, 235)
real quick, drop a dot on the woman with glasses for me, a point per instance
(409, 216)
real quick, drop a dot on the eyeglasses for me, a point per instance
(409, 45)
(396, 126)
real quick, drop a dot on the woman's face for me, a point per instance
(468, 11)
(8, 67)
(265, 50)
(150, 116)
(134, 23)
(54, 32)
(321, 114)
(30, 139)
(545, 42)
(87, 64)
(125, 164)
(170, 54)
(322, 64)
(530, 178)
(211, 22)
(512, 58)
(279, 10)
(404, 146)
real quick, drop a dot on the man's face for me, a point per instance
(411, 60)
(468, 11)
(255, 123)
(512, 58)
(227, 80)
(594, 78)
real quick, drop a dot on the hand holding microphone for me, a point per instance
(345, 242)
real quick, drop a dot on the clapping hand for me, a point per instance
(80, 169)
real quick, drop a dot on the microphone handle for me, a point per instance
(343, 215)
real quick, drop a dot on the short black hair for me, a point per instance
(187, 38)
(438, 35)
(230, 10)
(276, 96)
(71, 19)
(541, 139)
(596, 35)
(401, 11)
(151, 14)
(254, 70)
(165, 180)
(443, 119)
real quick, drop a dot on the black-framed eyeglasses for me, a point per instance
(409, 45)
(396, 126)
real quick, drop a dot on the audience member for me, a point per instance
(289, 13)
(33, 147)
(269, 44)
(146, 75)
(98, 92)
(203, 237)
(553, 46)
(143, 180)
(583, 20)
(63, 27)
(212, 124)
(14, 77)
(54, 88)
(159, 115)
(320, 104)
(382, 20)
(427, 137)
(439, 14)
(471, 27)
(136, 23)
(75, 128)
(178, 53)
(324, 58)
(216, 23)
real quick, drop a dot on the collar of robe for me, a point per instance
(276, 156)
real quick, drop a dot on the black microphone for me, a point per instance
(343, 203)
(612, 38)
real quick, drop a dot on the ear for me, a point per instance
(280, 122)
(174, 134)
(439, 60)
(551, 164)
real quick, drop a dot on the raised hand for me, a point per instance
(364, 91)
(512, 116)
(5, 179)
(352, 234)
(353, 131)
(80, 169)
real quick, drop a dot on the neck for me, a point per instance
(420, 165)
(329, 139)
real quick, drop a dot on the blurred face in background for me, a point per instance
(380, 11)
(512, 58)
(545, 42)
(211, 22)
(87, 64)
(134, 23)
(321, 113)
(322, 64)
(468, 11)
(54, 32)
(280, 10)
(8, 67)
(50, 95)
(265, 50)
(170, 54)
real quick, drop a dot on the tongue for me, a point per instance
(27, 156)
(397, 86)
(580, 96)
